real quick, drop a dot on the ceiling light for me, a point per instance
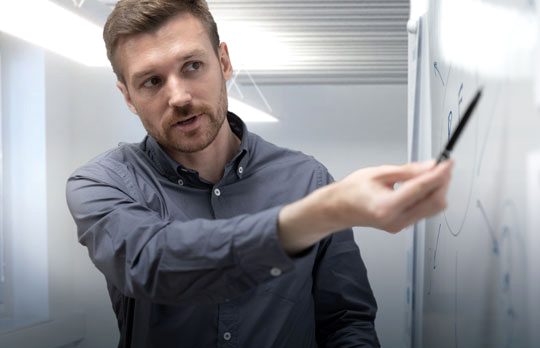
(248, 113)
(253, 48)
(52, 27)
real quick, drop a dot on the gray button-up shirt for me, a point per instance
(189, 263)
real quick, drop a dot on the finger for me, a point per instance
(393, 174)
(431, 205)
(420, 187)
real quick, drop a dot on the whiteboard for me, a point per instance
(477, 266)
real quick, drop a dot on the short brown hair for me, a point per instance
(146, 16)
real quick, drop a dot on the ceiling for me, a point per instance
(307, 41)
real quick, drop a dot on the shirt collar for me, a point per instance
(174, 171)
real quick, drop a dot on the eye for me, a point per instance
(152, 82)
(193, 66)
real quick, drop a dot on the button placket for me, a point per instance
(228, 321)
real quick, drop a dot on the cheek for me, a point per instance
(147, 123)
(152, 106)
(212, 86)
(151, 114)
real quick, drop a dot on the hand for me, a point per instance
(369, 198)
(366, 198)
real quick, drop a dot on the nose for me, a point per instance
(178, 92)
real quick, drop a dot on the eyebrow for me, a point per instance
(190, 55)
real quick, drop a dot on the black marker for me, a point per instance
(459, 129)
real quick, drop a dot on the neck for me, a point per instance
(210, 162)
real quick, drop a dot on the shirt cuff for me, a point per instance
(261, 256)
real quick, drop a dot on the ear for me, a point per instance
(122, 87)
(225, 61)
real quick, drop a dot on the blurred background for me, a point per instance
(331, 73)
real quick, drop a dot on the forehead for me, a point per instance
(179, 36)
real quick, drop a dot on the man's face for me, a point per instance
(176, 84)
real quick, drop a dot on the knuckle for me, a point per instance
(439, 204)
(443, 204)
(394, 230)
(380, 212)
(381, 170)
(413, 165)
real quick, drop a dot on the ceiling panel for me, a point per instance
(314, 41)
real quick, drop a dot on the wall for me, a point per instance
(345, 127)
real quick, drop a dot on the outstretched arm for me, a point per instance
(366, 198)
(149, 255)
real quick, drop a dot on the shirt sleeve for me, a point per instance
(345, 307)
(149, 256)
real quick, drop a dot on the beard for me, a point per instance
(200, 138)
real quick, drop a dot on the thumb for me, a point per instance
(393, 174)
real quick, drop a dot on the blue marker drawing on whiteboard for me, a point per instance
(430, 282)
(513, 277)
(434, 260)
(438, 72)
(506, 282)
(436, 247)
(490, 229)
(511, 314)
(450, 117)
(460, 100)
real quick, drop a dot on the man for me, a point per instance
(207, 235)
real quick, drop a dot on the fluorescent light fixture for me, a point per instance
(495, 40)
(254, 48)
(52, 27)
(248, 113)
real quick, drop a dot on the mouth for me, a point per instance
(187, 121)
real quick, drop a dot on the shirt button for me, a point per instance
(217, 192)
(180, 182)
(240, 170)
(275, 272)
(227, 336)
